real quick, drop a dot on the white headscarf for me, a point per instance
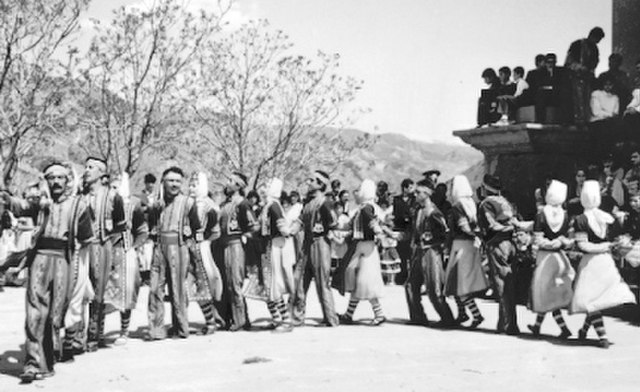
(125, 187)
(367, 191)
(202, 188)
(553, 211)
(461, 192)
(274, 191)
(590, 199)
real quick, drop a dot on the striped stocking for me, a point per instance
(273, 310)
(283, 311)
(125, 320)
(377, 308)
(353, 303)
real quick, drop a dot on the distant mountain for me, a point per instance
(394, 157)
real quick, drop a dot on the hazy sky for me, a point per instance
(421, 60)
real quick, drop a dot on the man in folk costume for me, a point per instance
(496, 220)
(279, 257)
(464, 275)
(599, 285)
(124, 280)
(429, 236)
(553, 276)
(237, 225)
(318, 220)
(107, 208)
(205, 281)
(174, 223)
(64, 226)
(363, 277)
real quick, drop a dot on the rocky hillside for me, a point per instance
(394, 157)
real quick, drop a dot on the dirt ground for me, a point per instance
(391, 357)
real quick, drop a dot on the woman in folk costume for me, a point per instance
(599, 285)
(279, 256)
(124, 280)
(464, 276)
(552, 278)
(363, 277)
(204, 280)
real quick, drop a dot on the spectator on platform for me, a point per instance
(582, 59)
(533, 76)
(508, 103)
(506, 86)
(620, 79)
(632, 111)
(488, 104)
(518, 79)
(604, 103)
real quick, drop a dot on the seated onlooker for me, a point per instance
(632, 177)
(604, 103)
(574, 207)
(632, 222)
(507, 103)
(610, 183)
(632, 110)
(518, 79)
(506, 86)
(620, 79)
(488, 103)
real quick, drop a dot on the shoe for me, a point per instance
(28, 376)
(122, 339)
(582, 335)
(535, 330)
(422, 323)
(377, 321)
(444, 324)
(297, 323)
(92, 347)
(565, 334)
(208, 329)
(462, 318)
(604, 343)
(476, 322)
(67, 356)
(102, 343)
(283, 328)
(48, 374)
(345, 320)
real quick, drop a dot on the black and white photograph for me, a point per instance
(319, 195)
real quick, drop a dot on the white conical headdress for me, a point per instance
(202, 189)
(275, 188)
(125, 186)
(556, 193)
(367, 190)
(590, 196)
(460, 187)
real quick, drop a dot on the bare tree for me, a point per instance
(133, 79)
(260, 110)
(32, 78)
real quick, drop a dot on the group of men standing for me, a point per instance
(91, 247)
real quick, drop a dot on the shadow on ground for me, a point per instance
(11, 362)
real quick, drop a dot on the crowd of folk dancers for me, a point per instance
(95, 243)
